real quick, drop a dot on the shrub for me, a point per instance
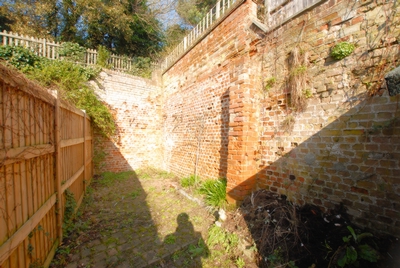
(72, 51)
(103, 55)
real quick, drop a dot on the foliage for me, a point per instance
(4, 20)
(198, 250)
(19, 57)
(218, 236)
(170, 239)
(269, 83)
(69, 78)
(72, 51)
(352, 251)
(192, 11)
(174, 35)
(307, 93)
(103, 55)
(215, 192)
(126, 27)
(342, 50)
(69, 212)
(240, 263)
(142, 66)
(189, 181)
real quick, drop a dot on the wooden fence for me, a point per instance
(45, 150)
(50, 50)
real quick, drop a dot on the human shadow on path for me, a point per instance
(185, 246)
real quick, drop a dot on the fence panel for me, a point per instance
(50, 50)
(40, 138)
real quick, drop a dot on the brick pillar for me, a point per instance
(243, 135)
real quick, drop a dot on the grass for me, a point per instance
(214, 192)
(189, 181)
(109, 178)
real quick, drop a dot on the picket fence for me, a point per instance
(49, 49)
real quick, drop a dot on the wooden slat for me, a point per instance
(12, 243)
(72, 109)
(17, 80)
(24, 153)
(57, 185)
(71, 142)
(71, 180)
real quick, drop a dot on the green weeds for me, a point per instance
(189, 181)
(218, 236)
(214, 192)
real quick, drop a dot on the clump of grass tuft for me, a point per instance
(215, 192)
(189, 181)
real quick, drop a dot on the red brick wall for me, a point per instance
(136, 105)
(342, 147)
(208, 112)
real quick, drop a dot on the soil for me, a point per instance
(292, 236)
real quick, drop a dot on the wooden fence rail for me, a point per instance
(49, 49)
(45, 150)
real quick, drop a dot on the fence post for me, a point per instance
(44, 49)
(218, 12)
(84, 154)
(59, 213)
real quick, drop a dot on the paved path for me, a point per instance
(137, 219)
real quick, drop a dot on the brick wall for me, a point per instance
(344, 145)
(340, 144)
(136, 105)
(208, 107)
(227, 109)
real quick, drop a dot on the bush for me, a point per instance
(72, 52)
(103, 55)
(20, 57)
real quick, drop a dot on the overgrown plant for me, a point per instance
(103, 55)
(352, 251)
(68, 78)
(342, 50)
(214, 192)
(297, 63)
(72, 52)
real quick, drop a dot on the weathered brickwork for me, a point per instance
(136, 105)
(344, 146)
(227, 109)
(208, 125)
(340, 146)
